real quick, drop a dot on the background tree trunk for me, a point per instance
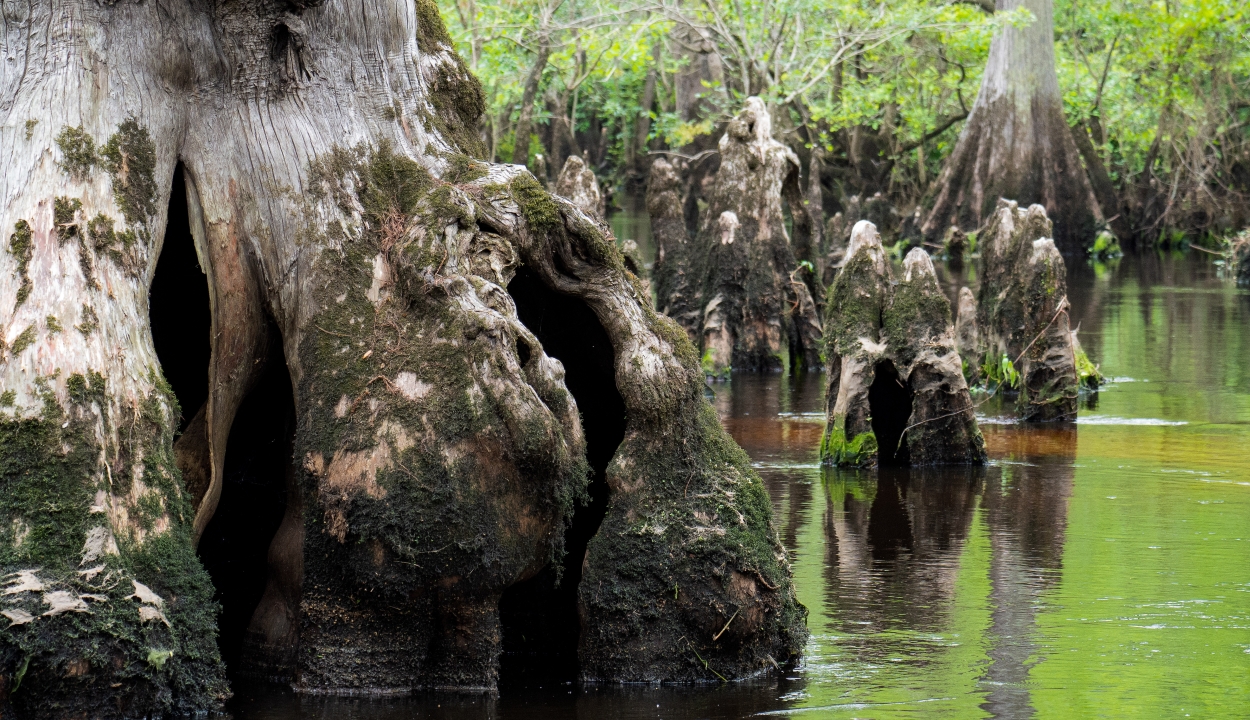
(756, 307)
(521, 150)
(1016, 143)
(336, 211)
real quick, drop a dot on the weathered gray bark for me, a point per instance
(1016, 143)
(1023, 310)
(756, 305)
(578, 184)
(438, 455)
(895, 387)
(676, 291)
(968, 334)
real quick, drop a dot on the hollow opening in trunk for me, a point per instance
(178, 308)
(539, 619)
(889, 404)
(235, 545)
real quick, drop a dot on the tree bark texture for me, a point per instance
(756, 304)
(1016, 143)
(578, 183)
(438, 455)
(896, 393)
(1022, 310)
(675, 292)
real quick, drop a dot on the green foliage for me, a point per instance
(1161, 90)
(1106, 247)
(859, 451)
(1087, 371)
(1000, 371)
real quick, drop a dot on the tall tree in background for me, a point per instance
(1016, 143)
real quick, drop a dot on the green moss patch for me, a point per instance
(78, 151)
(129, 156)
(22, 247)
(859, 451)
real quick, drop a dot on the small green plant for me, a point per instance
(1000, 371)
(1087, 371)
(1106, 246)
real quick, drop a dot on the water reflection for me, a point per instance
(892, 547)
(1026, 511)
(1092, 570)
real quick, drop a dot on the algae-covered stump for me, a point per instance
(895, 394)
(442, 450)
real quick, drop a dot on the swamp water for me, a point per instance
(1100, 569)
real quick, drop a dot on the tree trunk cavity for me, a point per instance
(438, 454)
(1016, 143)
(896, 393)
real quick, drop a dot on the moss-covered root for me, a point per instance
(1048, 366)
(686, 580)
(108, 612)
(441, 454)
(853, 321)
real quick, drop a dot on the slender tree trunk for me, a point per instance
(524, 125)
(438, 454)
(642, 126)
(1016, 143)
(1100, 181)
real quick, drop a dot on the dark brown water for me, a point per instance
(1100, 569)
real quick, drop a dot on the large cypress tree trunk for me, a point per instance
(1016, 143)
(438, 454)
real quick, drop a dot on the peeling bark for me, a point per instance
(757, 307)
(1016, 142)
(438, 453)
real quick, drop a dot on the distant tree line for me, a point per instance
(873, 97)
